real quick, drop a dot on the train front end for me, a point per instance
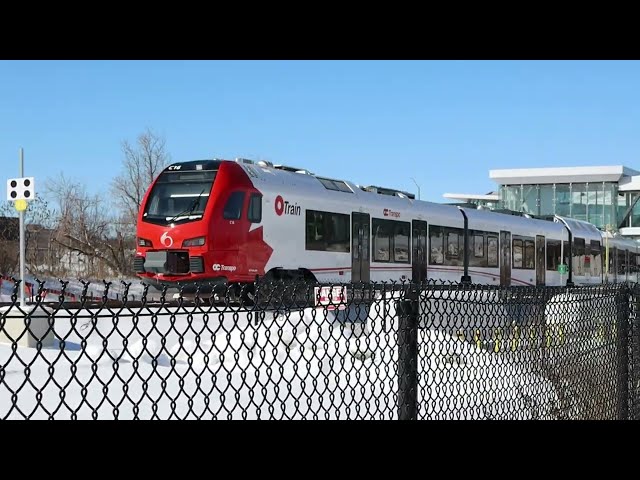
(178, 238)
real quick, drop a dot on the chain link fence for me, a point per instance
(310, 351)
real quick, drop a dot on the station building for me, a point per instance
(604, 196)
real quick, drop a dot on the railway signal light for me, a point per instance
(20, 189)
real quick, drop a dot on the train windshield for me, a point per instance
(179, 197)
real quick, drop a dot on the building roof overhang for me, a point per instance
(528, 176)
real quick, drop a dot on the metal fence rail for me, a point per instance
(310, 351)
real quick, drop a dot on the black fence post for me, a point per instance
(408, 354)
(634, 362)
(622, 332)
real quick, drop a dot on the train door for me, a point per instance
(360, 263)
(505, 258)
(419, 251)
(540, 260)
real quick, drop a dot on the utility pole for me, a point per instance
(414, 181)
(20, 191)
(22, 248)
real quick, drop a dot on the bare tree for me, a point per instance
(86, 230)
(142, 163)
(39, 223)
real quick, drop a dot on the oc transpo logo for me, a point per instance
(390, 213)
(166, 240)
(282, 206)
(229, 268)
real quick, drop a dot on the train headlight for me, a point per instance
(193, 242)
(143, 242)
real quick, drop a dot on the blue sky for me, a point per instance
(444, 123)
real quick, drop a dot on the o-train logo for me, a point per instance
(390, 213)
(284, 207)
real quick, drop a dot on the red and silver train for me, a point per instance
(223, 221)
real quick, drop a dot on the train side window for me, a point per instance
(453, 251)
(518, 254)
(478, 246)
(578, 255)
(529, 254)
(453, 245)
(587, 255)
(621, 261)
(596, 258)
(233, 207)
(436, 245)
(381, 241)
(401, 242)
(523, 252)
(254, 213)
(315, 236)
(553, 254)
(339, 232)
(492, 251)
(327, 232)
(612, 260)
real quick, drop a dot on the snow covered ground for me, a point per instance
(177, 363)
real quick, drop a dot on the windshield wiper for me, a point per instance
(188, 211)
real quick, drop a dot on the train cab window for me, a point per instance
(381, 241)
(553, 254)
(401, 242)
(492, 251)
(436, 245)
(233, 207)
(254, 213)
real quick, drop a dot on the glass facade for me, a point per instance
(489, 204)
(629, 198)
(598, 203)
(547, 200)
(595, 198)
(562, 200)
(635, 215)
(579, 201)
